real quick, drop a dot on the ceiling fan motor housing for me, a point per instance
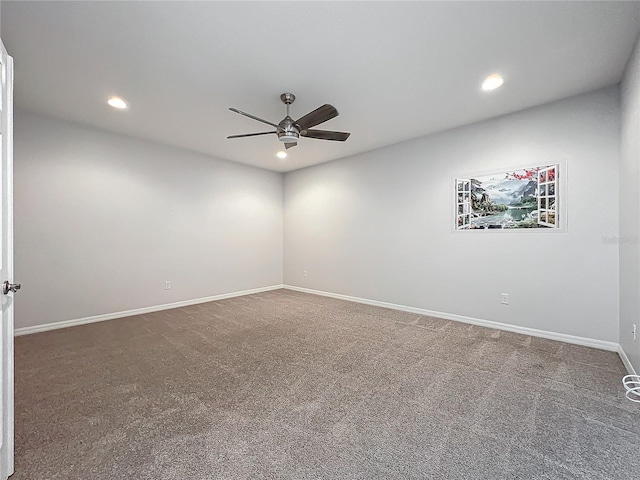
(288, 133)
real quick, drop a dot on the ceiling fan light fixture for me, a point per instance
(281, 154)
(288, 137)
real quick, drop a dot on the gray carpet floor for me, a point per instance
(295, 386)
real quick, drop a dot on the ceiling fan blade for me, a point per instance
(318, 116)
(327, 135)
(250, 134)
(289, 145)
(254, 117)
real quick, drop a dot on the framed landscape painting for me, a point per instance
(513, 199)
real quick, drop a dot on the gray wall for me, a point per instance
(378, 225)
(102, 220)
(630, 209)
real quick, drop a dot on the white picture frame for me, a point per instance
(523, 198)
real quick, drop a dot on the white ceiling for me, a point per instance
(394, 70)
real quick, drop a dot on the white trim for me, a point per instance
(138, 311)
(626, 361)
(562, 337)
(8, 380)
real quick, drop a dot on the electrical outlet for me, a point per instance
(504, 298)
(634, 330)
(167, 285)
(304, 274)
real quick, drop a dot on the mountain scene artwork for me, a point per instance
(522, 198)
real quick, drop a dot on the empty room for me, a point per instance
(320, 240)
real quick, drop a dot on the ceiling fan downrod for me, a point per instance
(289, 133)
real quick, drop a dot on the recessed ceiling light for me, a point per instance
(117, 102)
(492, 82)
(281, 154)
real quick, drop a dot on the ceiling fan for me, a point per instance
(290, 130)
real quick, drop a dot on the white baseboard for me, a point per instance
(588, 342)
(626, 361)
(562, 337)
(138, 311)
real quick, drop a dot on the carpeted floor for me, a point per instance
(295, 386)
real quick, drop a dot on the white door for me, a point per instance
(7, 289)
